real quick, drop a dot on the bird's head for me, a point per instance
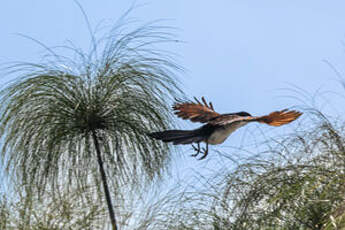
(243, 114)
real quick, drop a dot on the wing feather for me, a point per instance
(225, 119)
(276, 118)
(195, 111)
(279, 118)
(201, 111)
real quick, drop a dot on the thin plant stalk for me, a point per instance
(104, 181)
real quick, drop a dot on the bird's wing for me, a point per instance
(276, 118)
(225, 119)
(279, 118)
(195, 111)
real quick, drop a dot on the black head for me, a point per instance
(243, 114)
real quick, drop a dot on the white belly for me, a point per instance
(220, 135)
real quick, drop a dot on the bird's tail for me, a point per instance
(178, 137)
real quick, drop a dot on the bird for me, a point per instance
(217, 127)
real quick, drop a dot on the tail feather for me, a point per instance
(182, 137)
(185, 141)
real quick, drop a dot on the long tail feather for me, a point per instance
(182, 137)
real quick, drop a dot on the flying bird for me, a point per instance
(217, 127)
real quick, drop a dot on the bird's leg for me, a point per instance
(205, 152)
(197, 149)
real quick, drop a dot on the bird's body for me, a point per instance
(221, 133)
(209, 133)
(218, 127)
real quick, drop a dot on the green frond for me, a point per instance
(72, 209)
(48, 113)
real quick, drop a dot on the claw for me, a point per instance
(197, 149)
(194, 154)
(205, 152)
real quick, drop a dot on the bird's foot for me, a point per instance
(204, 152)
(197, 150)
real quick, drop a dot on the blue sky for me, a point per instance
(238, 54)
